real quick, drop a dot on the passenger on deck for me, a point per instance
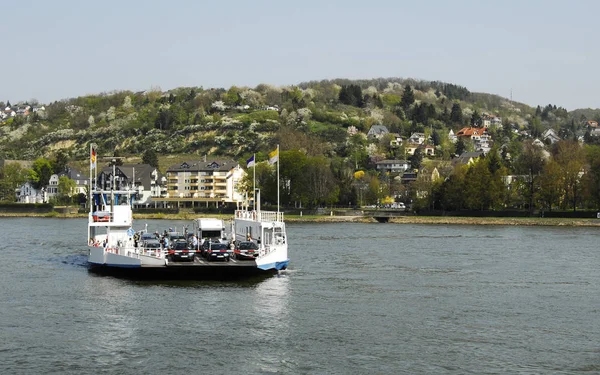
(194, 241)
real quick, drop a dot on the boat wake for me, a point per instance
(74, 260)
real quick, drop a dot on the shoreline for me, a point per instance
(430, 220)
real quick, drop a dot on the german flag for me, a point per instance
(93, 158)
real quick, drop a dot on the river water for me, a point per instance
(356, 299)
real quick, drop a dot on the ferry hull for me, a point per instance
(185, 271)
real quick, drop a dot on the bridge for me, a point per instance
(384, 215)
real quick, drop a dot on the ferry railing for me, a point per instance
(259, 215)
(271, 216)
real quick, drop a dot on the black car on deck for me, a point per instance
(216, 251)
(179, 251)
(246, 250)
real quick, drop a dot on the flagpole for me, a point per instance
(90, 186)
(278, 179)
(254, 183)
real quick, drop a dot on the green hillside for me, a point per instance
(321, 127)
(236, 122)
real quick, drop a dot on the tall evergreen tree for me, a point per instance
(59, 164)
(150, 157)
(460, 146)
(435, 137)
(416, 159)
(408, 97)
(445, 116)
(475, 119)
(456, 114)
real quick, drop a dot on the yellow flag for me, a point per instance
(274, 156)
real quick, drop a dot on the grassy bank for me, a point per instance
(436, 220)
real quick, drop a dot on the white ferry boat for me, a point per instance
(267, 230)
(115, 248)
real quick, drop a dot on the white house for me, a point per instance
(452, 137)
(28, 194)
(393, 166)
(551, 136)
(81, 182)
(377, 131)
(143, 179)
(396, 141)
(417, 138)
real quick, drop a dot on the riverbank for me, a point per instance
(434, 220)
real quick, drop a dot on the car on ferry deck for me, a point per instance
(216, 251)
(179, 250)
(152, 246)
(246, 250)
(148, 236)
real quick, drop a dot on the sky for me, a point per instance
(543, 52)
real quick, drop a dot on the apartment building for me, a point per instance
(204, 181)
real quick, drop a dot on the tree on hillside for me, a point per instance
(475, 119)
(445, 116)
(478, 184)
(164, 120)
(551, 185)
(12, 175)
(408, 97)
(41, 171)
(452, 191)
(593, 173)
(293, 163)
(319, 184)
(530, 163)
(416, 159)
(456, 114)
(494, 160)
(535, 127)
(570, 158)
(61, 159)
(460, 146)
(435, 138)
(351, 95)
(66, 188)
(232, 97)
(149, 157)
